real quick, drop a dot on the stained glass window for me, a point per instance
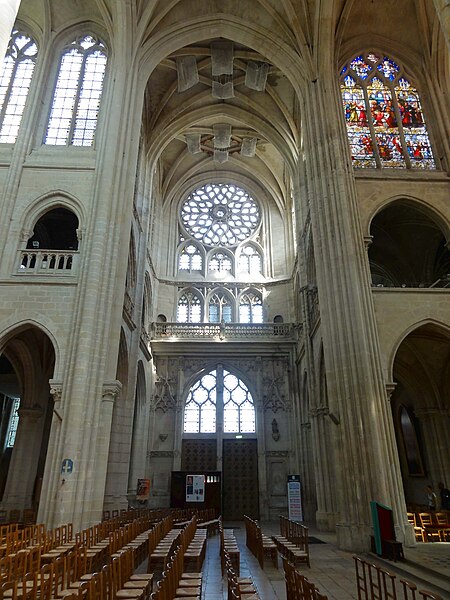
(220, 308)
(383, 113)
(220, 214)
(219, 391)
(15, 79)
(220, 262)
(250, 308)
(13, 424)
(76, 100)
(250, 260)
(189, 309)
(190, 259)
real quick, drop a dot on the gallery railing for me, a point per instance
(48, 262)
(229, 331)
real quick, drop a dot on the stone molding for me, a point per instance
(161, 454)
(111, 390)
(390, 387)
(276, 453)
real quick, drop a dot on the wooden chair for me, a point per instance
(431, 533)
(418, 530)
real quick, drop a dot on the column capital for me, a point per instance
(111, 390)
(390, 387)
(319, 411)
(55, 389)
(368, 239)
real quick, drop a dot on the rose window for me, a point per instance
(220, 215)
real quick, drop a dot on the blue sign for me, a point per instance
(67, 466)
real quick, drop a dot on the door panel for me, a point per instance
(240, 479)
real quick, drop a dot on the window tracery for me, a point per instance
(250, 260)
(383, 114)
(250, 308)
(189, 309)
(219, 392)
(220, 308)
(219, 214)
(190, 258)
(220, 262)
(15, 80)
(76, 99)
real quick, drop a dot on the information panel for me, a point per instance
(295, 498)
(195, 488)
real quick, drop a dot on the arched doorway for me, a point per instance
(219, 434)
(420, 409)
(27, 363)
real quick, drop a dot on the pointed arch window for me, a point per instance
(76, 100)
(221, 263)
(189, 308)
(15, 80)
(220, 308)
(219, 395)
(190, 259)
(383, 113)
(250, 260)
(250, 308)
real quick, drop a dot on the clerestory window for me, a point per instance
(383, 113)
(190, 259)
(219, 395)
(15, 79)
(250, 308)
(76, 100)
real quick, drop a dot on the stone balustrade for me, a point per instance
(212, 331)
(48, 262)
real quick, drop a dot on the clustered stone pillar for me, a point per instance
(443, 12)
(353, 368)
(8, 12)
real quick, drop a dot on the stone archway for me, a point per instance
(421, 409)
(26, 366)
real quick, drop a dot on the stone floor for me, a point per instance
(332, 570)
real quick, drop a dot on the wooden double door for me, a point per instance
(240, 489)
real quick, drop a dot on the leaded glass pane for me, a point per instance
(15, 79)
(220, 215)
(238, 407)
(190, 259)
(13, 424)
(250, 309)
(220, 262)
(395, 134)
(357, 126)
(189, 309)
(250, 260)
(200, 408)
(76, 100)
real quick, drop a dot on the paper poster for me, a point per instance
(295, 498)
(195, 488)
(143, 489)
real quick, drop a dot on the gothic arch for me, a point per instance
(410, 329)
(420, 204)
(48, 201)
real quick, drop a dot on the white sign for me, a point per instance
(195, 488)
(294, 498)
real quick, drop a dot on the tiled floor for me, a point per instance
(332, 570)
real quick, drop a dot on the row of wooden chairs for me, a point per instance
(177, 584)
(14, 539)
(239, 587)
(259, 544)
(373, 581)
(297, 586)
(290, 551)
(229, 548)
(295, 532)
(431, 527)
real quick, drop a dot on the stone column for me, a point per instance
(443, 12)
(368, 469)
(8, 11)
(323, 449)
(24, 459)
